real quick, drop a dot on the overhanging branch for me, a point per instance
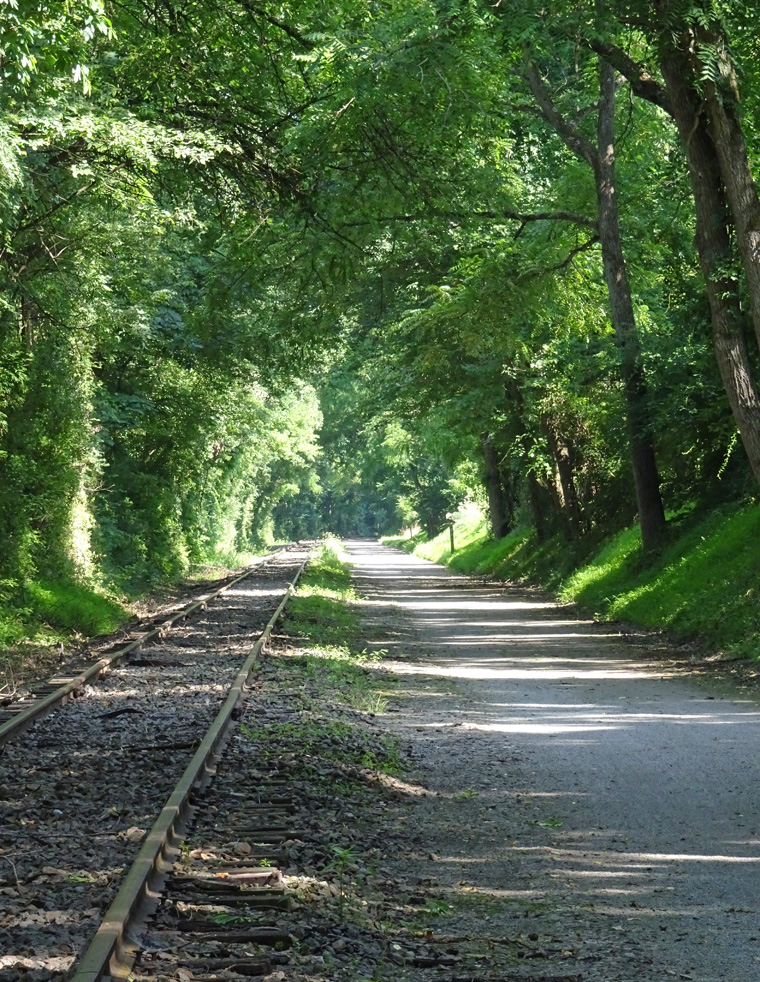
(524, 219)
(567, 261)
(641, 82)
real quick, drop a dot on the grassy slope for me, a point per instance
(705, 583)
(46, 611)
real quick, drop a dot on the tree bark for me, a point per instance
(538, 495)
(498, 505)
(716, 252)
(721, 99)
(540, 503)
(741, 191)
(645, 475)
(713, 223)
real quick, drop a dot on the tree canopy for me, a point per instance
(268, 269)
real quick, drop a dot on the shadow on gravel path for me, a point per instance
(578, 811)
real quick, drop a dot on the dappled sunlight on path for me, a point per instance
(595, 780)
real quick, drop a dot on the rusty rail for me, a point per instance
(111, 953)
(69, 685)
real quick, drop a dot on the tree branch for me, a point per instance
(292, 32)
(558, 267)
(512, 216)
(580, 145)
(641, 82)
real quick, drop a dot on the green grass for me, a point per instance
(470, 529)
(705, 583)
(44, 610)
(324, 618)
(220, 561)
(321, 611)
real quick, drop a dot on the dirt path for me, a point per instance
(577, 811)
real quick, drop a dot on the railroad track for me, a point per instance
(275, 864)
(238, 878)
(42, 698)
(230, 885)
(82, 787)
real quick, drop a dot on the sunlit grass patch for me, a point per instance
(329, 571)
(46, 611)
(596, 583)
(320, 612)
(470, 530)
(72, 606)
(321, 620)
(707, 583)
(324, 620)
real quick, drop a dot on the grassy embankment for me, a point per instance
(44, 612)
(704, 584)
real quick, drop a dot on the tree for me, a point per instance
(710, 133)
(600, 157)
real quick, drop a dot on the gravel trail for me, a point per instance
(594, 805)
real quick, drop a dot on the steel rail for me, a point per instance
(111, 952)
(61, 695)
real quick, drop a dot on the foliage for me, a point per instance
(270, 270)
(47, 610)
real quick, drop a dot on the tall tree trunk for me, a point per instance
(601, 159)
(725, 126)
(498, 505)
(645, 475)
(29, 316)
(563, 462)
(715, 248)
(716, 253)
(742, 195)
(540, 504)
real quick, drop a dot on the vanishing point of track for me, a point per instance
(43, 698)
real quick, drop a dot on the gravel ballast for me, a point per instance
(83, 786)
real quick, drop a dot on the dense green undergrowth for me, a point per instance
(704, 584)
